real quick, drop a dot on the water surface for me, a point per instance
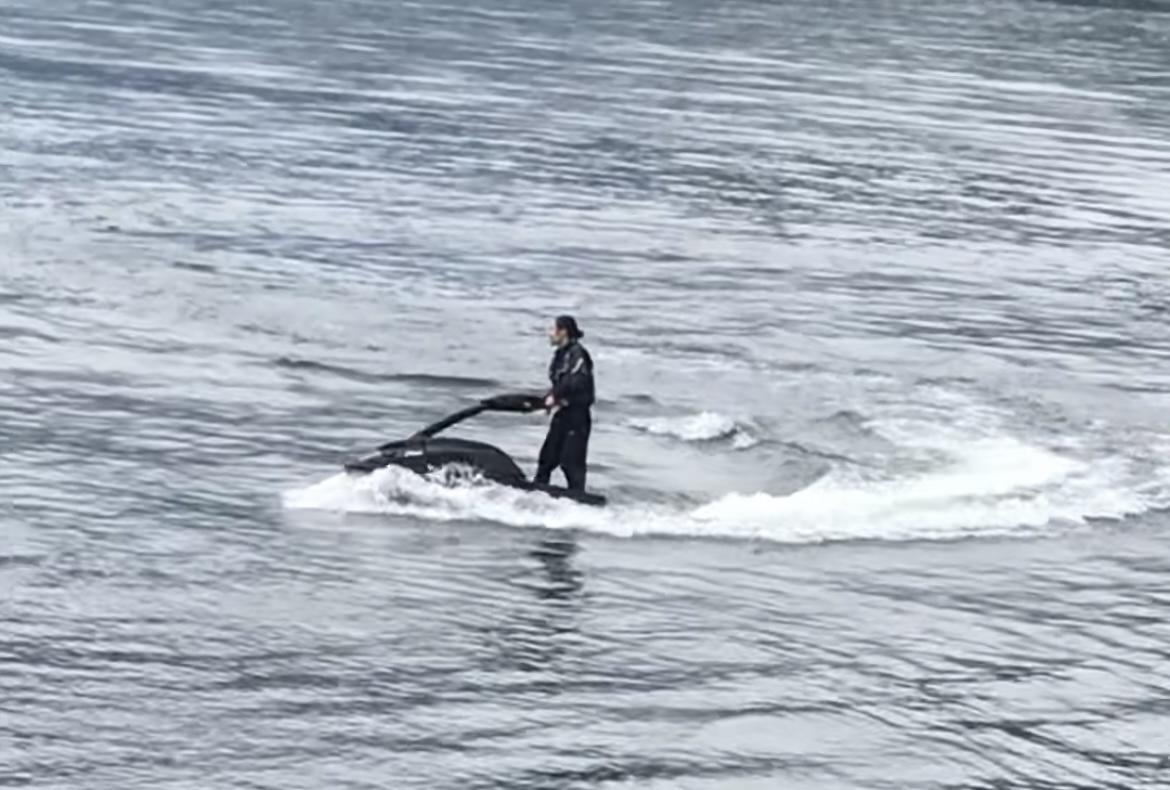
(878, 300)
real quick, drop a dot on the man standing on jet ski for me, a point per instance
(569, 400)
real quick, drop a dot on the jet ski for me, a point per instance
(425, 451)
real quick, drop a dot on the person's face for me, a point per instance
(557, 336)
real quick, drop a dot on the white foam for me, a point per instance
(1001, 486)
(705, 426)
(397, 491)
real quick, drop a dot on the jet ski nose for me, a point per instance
(366, 464)
(385, 455)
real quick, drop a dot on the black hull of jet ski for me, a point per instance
(423, 455)
(426, 455)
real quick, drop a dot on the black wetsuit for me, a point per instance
(567, 444)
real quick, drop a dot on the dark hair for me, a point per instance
(569, 324)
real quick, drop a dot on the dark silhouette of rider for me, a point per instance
(569, 400)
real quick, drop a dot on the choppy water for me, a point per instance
(878, 297)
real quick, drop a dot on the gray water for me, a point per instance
(878, 298)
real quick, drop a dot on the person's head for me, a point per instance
(564, 330)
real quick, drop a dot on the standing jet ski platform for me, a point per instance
(425, 452)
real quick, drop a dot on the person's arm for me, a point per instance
(576, 381)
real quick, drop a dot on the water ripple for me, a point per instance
(914, 253)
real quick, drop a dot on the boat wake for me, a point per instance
(982, 486)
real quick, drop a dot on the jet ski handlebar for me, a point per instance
(519, 402)
(512, 402)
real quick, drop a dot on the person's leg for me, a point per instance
(551, 451)
(575, 452)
